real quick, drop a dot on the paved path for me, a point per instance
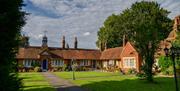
(61, 84)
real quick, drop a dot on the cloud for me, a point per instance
(81, 18)
(86, 33)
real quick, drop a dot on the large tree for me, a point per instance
(145, 24)
(11, 21)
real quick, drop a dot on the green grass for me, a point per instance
(35, 82)
(103, 81)
(81, 75)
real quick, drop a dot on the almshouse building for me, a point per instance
(123, 58)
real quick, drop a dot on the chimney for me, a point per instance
(67, 46)
(124, 41)
(105, 45)
(75, 43)
(100, 46)
(63, 42)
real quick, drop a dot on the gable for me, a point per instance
(129, 50)
(45, 53)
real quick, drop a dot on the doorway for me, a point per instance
(45, 64)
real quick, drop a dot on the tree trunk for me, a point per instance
(148, 68)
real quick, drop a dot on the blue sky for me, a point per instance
(81, 18)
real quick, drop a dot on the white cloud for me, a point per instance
(79, 18)
(86, 33)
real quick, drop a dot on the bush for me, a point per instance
(37, 69)
(168, 71)
(141, 75)
(64, 67)
(35, 64)
(132, 71)
(164, 63)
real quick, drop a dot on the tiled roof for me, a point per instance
(112, 53)
(28, 53)
(78, 54)
(172, 35)
(34, 52)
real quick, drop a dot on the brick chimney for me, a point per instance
(63, 42)
(105, 45)
(75, 43)
(124, 40)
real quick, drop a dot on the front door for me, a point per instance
(94, 63)
(45, 64)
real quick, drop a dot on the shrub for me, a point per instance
(168, 71)
(64, 67)
(164, 63)
(37, 69)
(132, 71)
(59, 68)
(178, 63)
(35, 64)
(141, 75)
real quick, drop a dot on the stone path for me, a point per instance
(61, 84)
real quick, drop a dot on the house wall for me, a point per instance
(108, 63)
(20, 62)
(130, 52)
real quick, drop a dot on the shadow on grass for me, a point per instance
(161, 84)
(87, 77)
(40, 89)
(72, 88)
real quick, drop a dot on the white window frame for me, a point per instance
(57, 62)
(127, 62)
(85, 62)
(111, 62)
(28, 62)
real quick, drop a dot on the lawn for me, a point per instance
(103, 81)
(35, 82)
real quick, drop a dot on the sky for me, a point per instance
(76, 18)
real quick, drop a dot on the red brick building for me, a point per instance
(125, 57)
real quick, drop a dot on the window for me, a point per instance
(85, 62)
(28, 62)
(105, 63)
(111, 62)
(57, 62)
(129, 62)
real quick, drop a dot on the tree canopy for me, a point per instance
(11, 21)
(145, 24)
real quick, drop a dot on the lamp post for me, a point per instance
(173, 53)
(73, 68)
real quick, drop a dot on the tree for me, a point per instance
(11, 21)
(145, 25)
(110, 34)
(24, 41)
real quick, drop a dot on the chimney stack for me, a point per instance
(124, 41)
(75, 43)
(67, 46)
(63, 42)
(100, 46)
(105, 45)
